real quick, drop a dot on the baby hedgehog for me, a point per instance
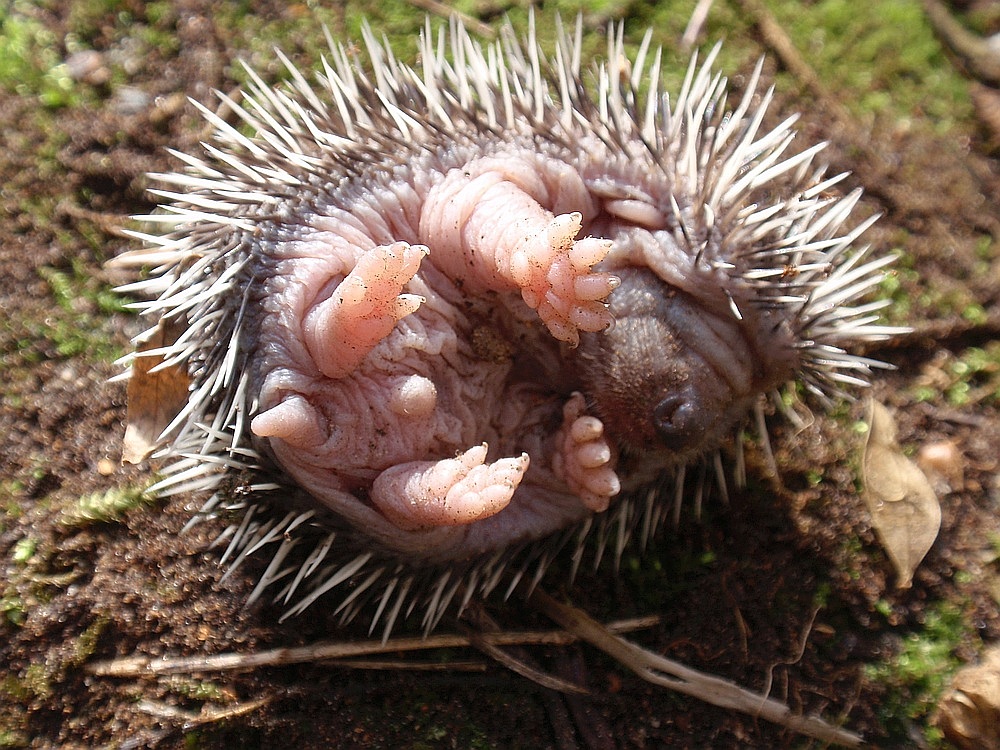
(441, 322)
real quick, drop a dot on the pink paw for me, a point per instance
(451, 492)
(554, 273)
(584, 458)
(363, 309)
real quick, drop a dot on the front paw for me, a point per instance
(584, 458)
(554, 273)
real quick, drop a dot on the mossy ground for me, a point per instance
(785, 586)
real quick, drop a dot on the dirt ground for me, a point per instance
(786, 586)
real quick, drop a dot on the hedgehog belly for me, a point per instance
(419, 361)
(400, 366)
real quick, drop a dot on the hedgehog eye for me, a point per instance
(676, 420)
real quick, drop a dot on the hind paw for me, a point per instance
(364, 308)
(451, 492)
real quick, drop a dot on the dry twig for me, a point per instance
(135, 666)
(675, 676)
(976, 54)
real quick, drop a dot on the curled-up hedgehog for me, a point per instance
(442, 322)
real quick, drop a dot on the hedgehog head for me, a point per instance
(676, 375)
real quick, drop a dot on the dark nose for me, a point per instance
(677, 422)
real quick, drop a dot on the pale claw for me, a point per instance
(584, 458)
(450, 492)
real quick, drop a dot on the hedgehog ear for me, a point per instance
(678, 420)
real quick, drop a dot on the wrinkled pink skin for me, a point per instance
(419, 364)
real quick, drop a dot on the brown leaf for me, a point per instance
(904, 509)
(969, 712)
(154, 398)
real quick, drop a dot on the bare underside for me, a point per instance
(420, 361)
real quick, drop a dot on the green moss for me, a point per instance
(12, 608)
(975, 313)
(663, 573)
(104, 507)
(851, 550)
(896, 286)
(917, 675)
(882, 60)
(87, 19)
(972, 377)
(29, 57)
(24, 549)
(40, 679)
(157, 35)
(37, 680)
(300, 36)
(198, 690)
(986, 248)
(79, 324)
(884, 53)
(69, 287)
(12, 687)
(994, 540)
(11, 493)
(32, 579)
(13, 738)
(946, 302)
(86, 642)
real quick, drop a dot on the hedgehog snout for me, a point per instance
(676, 375)
(676, 419)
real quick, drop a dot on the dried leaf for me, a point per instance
(905, 511)
(154, 398)
(969, 713)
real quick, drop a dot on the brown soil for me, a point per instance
(738, 590)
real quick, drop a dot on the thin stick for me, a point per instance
(977, 55)
(675, 676)
(134, 666)
(518, 666)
